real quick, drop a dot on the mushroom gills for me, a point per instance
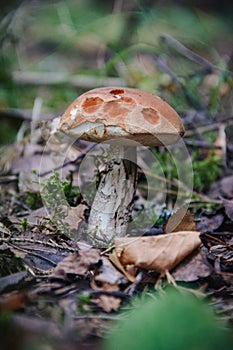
(98, 131)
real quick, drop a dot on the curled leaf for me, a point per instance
(159, 253)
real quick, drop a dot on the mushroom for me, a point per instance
(123, 118)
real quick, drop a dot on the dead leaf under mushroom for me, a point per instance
(108, 303)
(159, 253)
(77, 264)
(181, 220)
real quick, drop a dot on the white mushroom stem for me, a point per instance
(112, 205)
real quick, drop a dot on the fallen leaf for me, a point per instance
(107, 273)
(34, 217)
(77, 263)
(12, 252)
(209, 222)
(32, 162)
(12, 280)
(159, 253)
(4, 229)
(13, 301)
(222, 188)
(9, 154)
(108, 303)
(228, 208)
(113, 257)
(74, 215)
(192, 268)
(181, 220)
(28, 182)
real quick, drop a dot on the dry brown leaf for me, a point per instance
(192, 268)
(228, 204)
(10, 153)
(13, 301)
(28, 182)
(35, 216)
(12, 280)
(159, 253)
(32, 162)
(174, 224)
(74, 215)
(108, 303)
(78, 263)
(8, 250)
(210, 222)
(222, 188)
(4, 229)
(116, 262)
(108, 273)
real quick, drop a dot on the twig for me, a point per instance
(161, 190)
(8, 178)
(35, 241)
(200, 144)
(34, 254)
(203, 197)
(189, 97)
(218, 240)
(183, 50)
(210, 127)
(177, 183)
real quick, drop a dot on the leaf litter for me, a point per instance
(84, 283)
(55, 272)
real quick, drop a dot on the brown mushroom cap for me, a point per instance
(109, 113)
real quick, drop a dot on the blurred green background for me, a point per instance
(56, 50)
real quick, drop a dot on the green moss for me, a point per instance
(33, 200)
(206, 169)
(177, 321)
(56, 196)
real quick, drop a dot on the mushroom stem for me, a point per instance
(112, 205)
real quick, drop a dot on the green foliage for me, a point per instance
(145, 219)
(56, 195)
(165, 164)
(33, 200)
(205, 170)
(69, 189)
(24, 224)
(56, 192)
(52, 193)
(55, 201)
(84, 303)
(177, 321)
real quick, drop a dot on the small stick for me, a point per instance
(183, 50)
(192, 56)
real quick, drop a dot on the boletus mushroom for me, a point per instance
(124, 118)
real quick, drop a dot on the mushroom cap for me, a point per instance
(103, 114)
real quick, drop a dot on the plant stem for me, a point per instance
(112, 205)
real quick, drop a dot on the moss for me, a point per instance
(176, 321)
